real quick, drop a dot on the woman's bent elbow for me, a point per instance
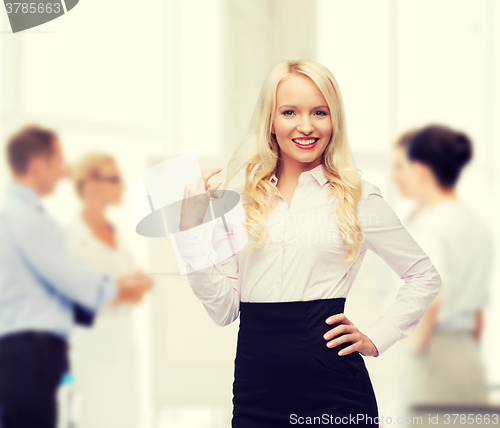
(227, 320)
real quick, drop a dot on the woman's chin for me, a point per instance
(308, 157)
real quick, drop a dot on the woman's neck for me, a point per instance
(417, 210)
(94, 213)
(290, 171)
(434, 196)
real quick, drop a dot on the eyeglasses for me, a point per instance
(111, 179)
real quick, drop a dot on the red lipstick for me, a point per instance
(307, 144)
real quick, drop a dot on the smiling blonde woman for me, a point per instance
(311, 219)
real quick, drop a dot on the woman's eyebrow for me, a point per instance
(290, 106)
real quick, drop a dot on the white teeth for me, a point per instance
(305, 142)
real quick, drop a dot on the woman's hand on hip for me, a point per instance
(350, 333)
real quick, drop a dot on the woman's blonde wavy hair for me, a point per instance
(86, 167)
(259, 155)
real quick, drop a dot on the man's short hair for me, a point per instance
(27, 143)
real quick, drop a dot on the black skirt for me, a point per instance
(285, 375)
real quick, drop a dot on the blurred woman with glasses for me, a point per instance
(105, 358)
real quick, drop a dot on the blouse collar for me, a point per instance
(317, 172)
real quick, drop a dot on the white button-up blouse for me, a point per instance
(302, 260)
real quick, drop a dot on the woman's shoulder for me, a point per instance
(370, 193)
(458, 217)
(121, 239)
(369, 188)
(372, 204)
(76, 230)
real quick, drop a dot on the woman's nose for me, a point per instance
(305, 126)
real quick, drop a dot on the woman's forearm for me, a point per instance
(478, 329)
(419, 339)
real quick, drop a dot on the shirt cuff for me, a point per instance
(196, 248)
(383, 334)
(108, 291)
(204, 246)
(194, 244)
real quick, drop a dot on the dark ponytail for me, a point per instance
(443, 149)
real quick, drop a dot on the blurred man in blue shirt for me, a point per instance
(43, 289)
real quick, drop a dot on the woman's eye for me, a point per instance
(290, 112)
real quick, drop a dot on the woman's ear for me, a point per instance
(422, 171)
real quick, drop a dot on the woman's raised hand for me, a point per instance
(196, 201)
(360, 342)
